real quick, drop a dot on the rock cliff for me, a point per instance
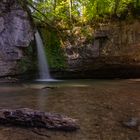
(16, 34)
(110, 50)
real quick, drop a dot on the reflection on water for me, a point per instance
(99, 107)
(42, 97)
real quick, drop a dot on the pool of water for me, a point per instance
(98, 105)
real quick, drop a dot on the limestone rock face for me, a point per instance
(113, 51)
(16, 33)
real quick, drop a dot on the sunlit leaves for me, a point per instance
(71, 11)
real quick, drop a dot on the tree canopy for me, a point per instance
(79, 11)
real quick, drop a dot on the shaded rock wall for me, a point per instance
(16, 33)
(112, 52)
(123, 39)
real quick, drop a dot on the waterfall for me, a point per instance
(44, 74)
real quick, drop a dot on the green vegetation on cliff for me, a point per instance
(63, 23)
(55, 55)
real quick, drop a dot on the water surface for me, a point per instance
(98, 105)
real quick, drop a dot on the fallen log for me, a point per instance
(32, 118)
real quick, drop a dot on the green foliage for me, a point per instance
(28, 62)
(78, 11)
(23, 65)
(67, 14)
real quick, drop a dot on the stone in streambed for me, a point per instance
(132, 123)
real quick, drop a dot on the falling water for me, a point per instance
(44, 74)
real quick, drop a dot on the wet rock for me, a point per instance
(26, 117)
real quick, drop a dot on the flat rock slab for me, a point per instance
(26, 117)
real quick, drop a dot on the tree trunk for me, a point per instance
(116, 6)
(137, 3)
(70, 10)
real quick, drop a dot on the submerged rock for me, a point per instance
(16, 33)
(133, 123)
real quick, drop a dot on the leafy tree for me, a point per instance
(64, 13)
